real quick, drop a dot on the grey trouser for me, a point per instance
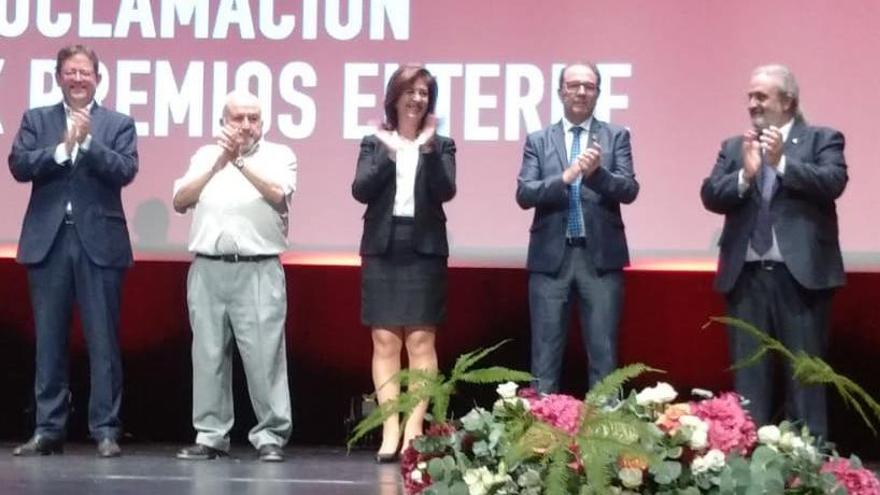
(248, 301)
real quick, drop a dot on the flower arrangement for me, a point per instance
(709, 445)
(646, 442)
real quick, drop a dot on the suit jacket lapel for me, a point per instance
(557, 140)
(57, 123)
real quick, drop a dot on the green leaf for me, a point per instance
(495, 374)
(465, 361)
(610, 386)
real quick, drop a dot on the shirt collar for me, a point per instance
(786, 129)
(252, 150)
(585, 125)
(67, 107)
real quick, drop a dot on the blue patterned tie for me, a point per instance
(575, 215)
(762, 235)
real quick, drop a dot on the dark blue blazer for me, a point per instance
(805, 216)
(92, 184)
(375, 185)
(540, 186)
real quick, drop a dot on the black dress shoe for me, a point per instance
(39, 445)
(107, 447)
(271, 453)
(199, 452)
(386, 458)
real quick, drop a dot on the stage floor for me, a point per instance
(150, 469)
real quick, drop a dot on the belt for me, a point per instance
(235, 258)
(576, 241)
(768, 265)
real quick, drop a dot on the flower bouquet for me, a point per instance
(647, 442)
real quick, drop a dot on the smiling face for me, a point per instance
(579, 92)
(768, 104)
(78, 80)
(413, 102)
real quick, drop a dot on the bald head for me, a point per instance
(242, 112)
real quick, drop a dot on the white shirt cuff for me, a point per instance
(742, 185)
(61, 155)
(780, 169)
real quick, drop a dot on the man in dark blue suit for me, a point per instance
(74, 242)
(780, 257)
(575, 174)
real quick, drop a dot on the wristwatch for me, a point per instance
(238, 162)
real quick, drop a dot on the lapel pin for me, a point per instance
(794, 140)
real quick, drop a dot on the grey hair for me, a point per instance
(240, 97)
(788, 85)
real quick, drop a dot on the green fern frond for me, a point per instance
(467, 360)
(558, 472)
(807, 369)
(440, 402)
(404, 404)
(495, 374)
(610, 386)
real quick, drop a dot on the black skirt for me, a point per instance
(403, 287)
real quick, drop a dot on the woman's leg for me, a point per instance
(387, 344)
(422, 355)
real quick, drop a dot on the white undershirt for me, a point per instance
(407, 164)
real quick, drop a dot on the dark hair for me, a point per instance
(589, 65)
(71, 50)
(403, 79)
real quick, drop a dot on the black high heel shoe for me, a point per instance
(387, 458)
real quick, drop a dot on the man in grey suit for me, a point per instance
(780, 257)
(575, 174)
(77, 156)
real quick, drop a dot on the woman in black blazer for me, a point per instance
(405, 172)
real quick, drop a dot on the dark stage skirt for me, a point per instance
(403, 287)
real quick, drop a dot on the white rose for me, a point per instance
(785, 440)
(699, 465)
(769, 435)
(507, 390)
(660, 394)
(699, 439)
(630, 477)
(715, 459)
(471, 477)
(665, 392)
(692, 421)
(416, 475)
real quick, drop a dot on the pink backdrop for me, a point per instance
(681, 72)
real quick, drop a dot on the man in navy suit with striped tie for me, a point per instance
(77, 156)
(576, 174)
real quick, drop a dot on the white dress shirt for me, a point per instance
(407, 164)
